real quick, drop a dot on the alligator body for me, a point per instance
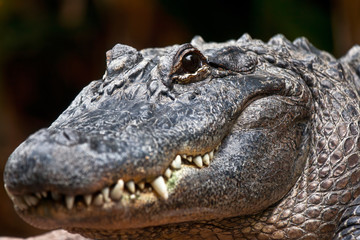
(235, 140)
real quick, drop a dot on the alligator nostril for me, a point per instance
(66, 137)
(166, 94)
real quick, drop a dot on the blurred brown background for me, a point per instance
(49, 50)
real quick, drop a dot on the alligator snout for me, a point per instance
(44, 167)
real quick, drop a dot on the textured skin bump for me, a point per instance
(286, 116)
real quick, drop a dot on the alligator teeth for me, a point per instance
(217, 147)
(132, 197)
(176, 164)
(168, 173)
(141, 185)
(160, 187)
(131, 186)
(206, 159)
(211, 155)
(18, 201)
(88, 199)
(105, 192)
(26, 200)
(198, 161)
(99, 200)
(117, 191)
(69, 200)
(31, 200)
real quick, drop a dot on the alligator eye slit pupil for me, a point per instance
(191, 62)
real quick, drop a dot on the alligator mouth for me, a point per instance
(113, 193)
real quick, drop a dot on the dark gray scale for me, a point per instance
(349, 225)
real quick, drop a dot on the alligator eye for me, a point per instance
(191, 62)
(189, 65)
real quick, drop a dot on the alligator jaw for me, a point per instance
(49, 209)
(116, 191)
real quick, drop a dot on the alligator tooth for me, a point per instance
(31, 200)
(69, 200)
(105, 193)
(160, 187)
(167, 173)
(26, 200)
(176, 164)
(206, 159)
(189, 158)
(141, 185)
(38, 195)
(104, 76)
(117, 191)
(55, 196)
(211, 155)
(131, 186)
(34, 200)
(198, 161)
(19, 202)
(132, 197)
(87, 199)
(183, 156)
(218, 146)
(44, 194)
(99, 200)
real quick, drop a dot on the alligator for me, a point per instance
(243, 139)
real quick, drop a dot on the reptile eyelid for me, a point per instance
(188, 74)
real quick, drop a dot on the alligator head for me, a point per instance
(194, 132)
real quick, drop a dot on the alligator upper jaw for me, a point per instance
(117, 190)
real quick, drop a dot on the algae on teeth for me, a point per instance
(171, 183)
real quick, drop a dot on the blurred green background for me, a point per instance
(49, 50)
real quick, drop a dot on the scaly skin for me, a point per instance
(272, 130)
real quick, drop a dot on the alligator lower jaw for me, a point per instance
(119, 191)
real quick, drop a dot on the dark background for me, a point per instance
(49, 50)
